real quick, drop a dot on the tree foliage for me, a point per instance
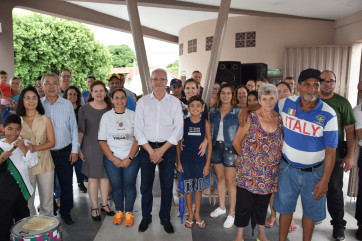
(48, 44)
(173, 68)
(122, 55)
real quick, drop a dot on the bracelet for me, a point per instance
(130, 158)
(114, 157)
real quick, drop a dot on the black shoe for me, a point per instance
(110, 213)
(67, 218)
(144, 225)
(359, 233)
(85, 178)
(167, 226)
(338, 234)
(96, 218)
(82, 188)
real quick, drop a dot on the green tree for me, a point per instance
(173, 68)
(122, 55)
(48, 44)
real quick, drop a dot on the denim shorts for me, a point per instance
(291, 182)
(222, 154)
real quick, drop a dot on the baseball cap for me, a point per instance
(176, 82)
(308, 74)
(118, 76)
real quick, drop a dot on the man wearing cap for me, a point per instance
(176, 88)
(128, 92)
(114, 82)
(344, 153)
(309, 149)
(158, 127)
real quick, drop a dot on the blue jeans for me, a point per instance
(166, 168)
(78, 173)
(123, 181)
(292, 183)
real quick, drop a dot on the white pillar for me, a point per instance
(216, 49)
(139, 46)
(6, 38)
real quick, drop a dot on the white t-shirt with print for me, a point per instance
(117, 130)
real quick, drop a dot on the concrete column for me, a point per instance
(216, 49)
(354, 70)
(6, 38)
(139, 46)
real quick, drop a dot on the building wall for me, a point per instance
(273, 35)
(349, 29)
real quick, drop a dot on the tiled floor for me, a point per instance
(86, 229)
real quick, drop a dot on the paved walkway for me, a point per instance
(85, 229)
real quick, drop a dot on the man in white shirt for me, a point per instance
(358, 115)
(158, 128)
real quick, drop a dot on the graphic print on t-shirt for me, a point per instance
(194, 131)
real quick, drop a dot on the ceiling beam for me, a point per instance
(172, 4)
(77, 13)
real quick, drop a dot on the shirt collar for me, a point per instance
(166, 97)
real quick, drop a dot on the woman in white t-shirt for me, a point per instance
(115, 136)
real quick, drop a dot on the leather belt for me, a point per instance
(307, 169)
(61, 150)
(157, 143)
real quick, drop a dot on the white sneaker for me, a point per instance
(217, 212)
(229, 222)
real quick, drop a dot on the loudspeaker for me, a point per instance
(228, 71)
(253, 71)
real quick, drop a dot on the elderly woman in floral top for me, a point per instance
(259, 145)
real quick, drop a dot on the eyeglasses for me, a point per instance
(38, 85)
(325, 82)
(50, 83)
(250, 85)
(72, 94)
(160, 79)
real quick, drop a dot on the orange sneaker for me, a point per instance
(128, 221)
(117, 218)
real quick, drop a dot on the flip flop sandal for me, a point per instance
(189, 224)
(201, 224)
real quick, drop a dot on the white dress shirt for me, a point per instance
(158, 121)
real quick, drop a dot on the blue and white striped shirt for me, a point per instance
(307, 134)
(62, 115)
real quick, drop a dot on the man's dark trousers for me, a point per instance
(166, 173)
(64, 171)
(335, 201)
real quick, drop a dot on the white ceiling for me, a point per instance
(172, 20)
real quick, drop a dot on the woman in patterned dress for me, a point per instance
(259, 145)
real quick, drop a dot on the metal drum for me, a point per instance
(50, 233)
